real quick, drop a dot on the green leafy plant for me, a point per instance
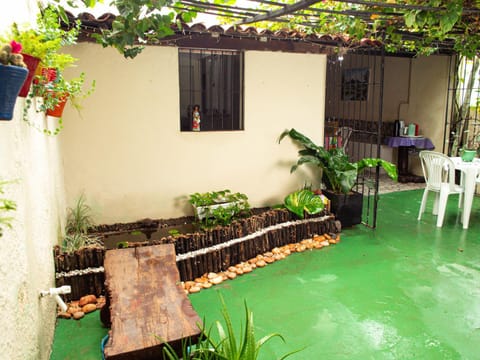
(247, 347)
(215, 197)
(7, 206)
(302, 201)
(79, 220)
(338, 173)
(173, 232)
(75, 241)
(46, 39)
(45, 42)
(219, 207)
(228, 346)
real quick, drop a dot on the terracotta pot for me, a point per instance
(58, 110)
(11, 81)
(32, 64)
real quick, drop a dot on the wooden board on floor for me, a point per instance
(147, 304)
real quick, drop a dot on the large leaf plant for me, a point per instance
(302, 201)
(338, 173)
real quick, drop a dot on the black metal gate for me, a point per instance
(353, 115)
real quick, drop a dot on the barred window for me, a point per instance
(211, 90)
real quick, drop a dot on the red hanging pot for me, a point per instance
(45, 75)
(57, 111)
(32, 64)
(11, 80)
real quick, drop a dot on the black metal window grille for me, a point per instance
(213, 81)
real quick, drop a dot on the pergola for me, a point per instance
(374, 16)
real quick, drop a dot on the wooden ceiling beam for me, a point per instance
(287, 9)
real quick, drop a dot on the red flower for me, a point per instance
(16, 47)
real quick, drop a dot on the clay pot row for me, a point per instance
(210, 279)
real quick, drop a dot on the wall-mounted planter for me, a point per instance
(57, 111)
(204, 211)
(32, 64)
(11, 81)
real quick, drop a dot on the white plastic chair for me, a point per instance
(439, 172)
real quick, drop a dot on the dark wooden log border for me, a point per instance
(201, 252)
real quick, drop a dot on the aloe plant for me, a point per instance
(304, 200)
(227, 347)
(247, 347)
(338, 173)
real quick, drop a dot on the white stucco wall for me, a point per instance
(26, 261)
(126, 153)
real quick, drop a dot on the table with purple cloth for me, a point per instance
(403, 143)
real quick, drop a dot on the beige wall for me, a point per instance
(26, 261)
(126, 153)
(428, 99)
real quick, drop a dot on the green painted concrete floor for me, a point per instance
(407, 290)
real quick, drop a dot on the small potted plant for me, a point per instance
(42, 44)
(338, 174)
(471, 148)
(51, 90)
(13, 73)
(218, 207)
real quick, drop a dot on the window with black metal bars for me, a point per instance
(213, 81)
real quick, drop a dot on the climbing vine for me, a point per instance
(421, 26)
(137, 23)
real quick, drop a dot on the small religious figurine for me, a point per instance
(196, 118)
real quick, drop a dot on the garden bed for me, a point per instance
(197, 252)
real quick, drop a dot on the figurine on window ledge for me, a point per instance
(196, 118)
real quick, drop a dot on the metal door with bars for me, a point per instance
(353, 115)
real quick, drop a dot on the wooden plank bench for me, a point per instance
(147, 305)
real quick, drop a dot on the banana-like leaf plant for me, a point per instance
(304, 200)
(338, 173)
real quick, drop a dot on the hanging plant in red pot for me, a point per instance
(55, 94)
(13, 73)
(61, 101)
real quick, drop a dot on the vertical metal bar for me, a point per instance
(450, 104)
(379, 135)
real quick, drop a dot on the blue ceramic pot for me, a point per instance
(11, 81)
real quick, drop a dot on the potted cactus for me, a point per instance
(13, 73)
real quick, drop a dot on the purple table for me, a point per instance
(403, 143)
